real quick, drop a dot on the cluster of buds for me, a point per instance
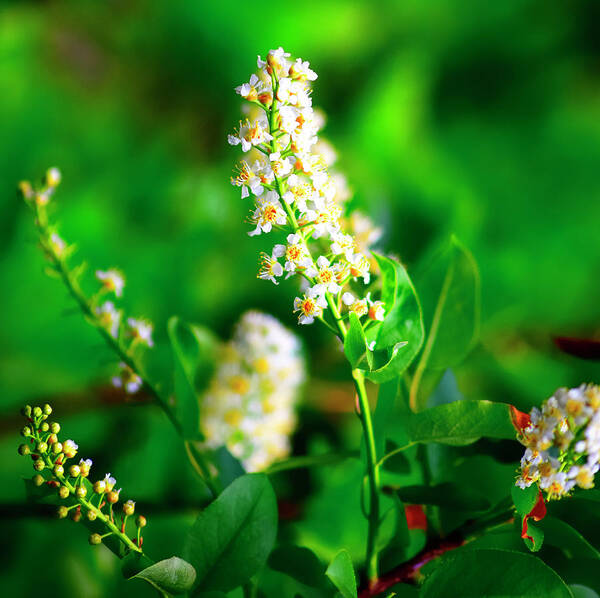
(55, 462)
(563, 442)
(294, 193)
(249, 405)
(98, 309)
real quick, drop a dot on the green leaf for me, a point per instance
(447, 494)
(341, 573)
(537, 537)
(396, 364)
(562, 535)
(489, 572)
(173, 575)
(300, 563)
(457, 424)
(355, 344)
(524, 499)
(582, 591)
(450, 291)
(232, 538)
(194, 350)
(403, 321)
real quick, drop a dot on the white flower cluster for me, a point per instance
(294, 192)
(563, 442)
(249, 405)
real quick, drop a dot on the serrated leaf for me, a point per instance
(341, 573)
(232, 538)
(173, 575)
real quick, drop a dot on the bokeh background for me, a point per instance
(481, 119)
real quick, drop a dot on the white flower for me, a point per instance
(112, 280)
(109, 482)
(127, 379)
(267, 213)
(310, 306)
(270, 268)
(249, 178)
(251, 134)
(141, 330)
(295, 253)
(301, 70)
(109, 318)
(249, 91)
(325, 277)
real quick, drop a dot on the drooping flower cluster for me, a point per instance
(563, 442)
(249, 405)
(287, 173)
(100, 311)
(97, 501)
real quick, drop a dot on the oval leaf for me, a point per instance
(341, 573)
(173, 575)
(232, 538)
(489, 572)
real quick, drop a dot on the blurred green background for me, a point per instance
(481, 119)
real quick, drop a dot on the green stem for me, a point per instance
(364, 413)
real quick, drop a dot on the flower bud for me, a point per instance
(81, 491)
(26, 432)
(25, 189)
(53, 177)
(62, 512)
(70, 448)
(37, 412)
(141, 521)
(47, 409)
(91, 515)
(44, 427)
(58, 470)
(41, 447)
(74, 471)
(99, 487)
(76, 515)
(63, 492)
(129, 507)
(113, 496)
(38, 480)
(84, 467)
(26, 411)
(52, 439)
(95, 539)
(57, 448)
(55, 427)
(38, 465)
(24, 450)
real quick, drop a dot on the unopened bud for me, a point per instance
(99, 487)
(53, 177)
(57, 448)
(62, 512)
(81, 491)
(41, 447)
(47, 409)
(24, 450)
(26, 411)
(38, 480)
(129, 507)
(55, 427)
(26, 432)
(112, 496)
(141, 521)
(52, 439)
(58, 470)
(44, 427)
(95, 539)
(91, 515)
(37, 412)
(25, 189)
(74, 471)
(63, 492)
(76, 515)
(38, 464)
